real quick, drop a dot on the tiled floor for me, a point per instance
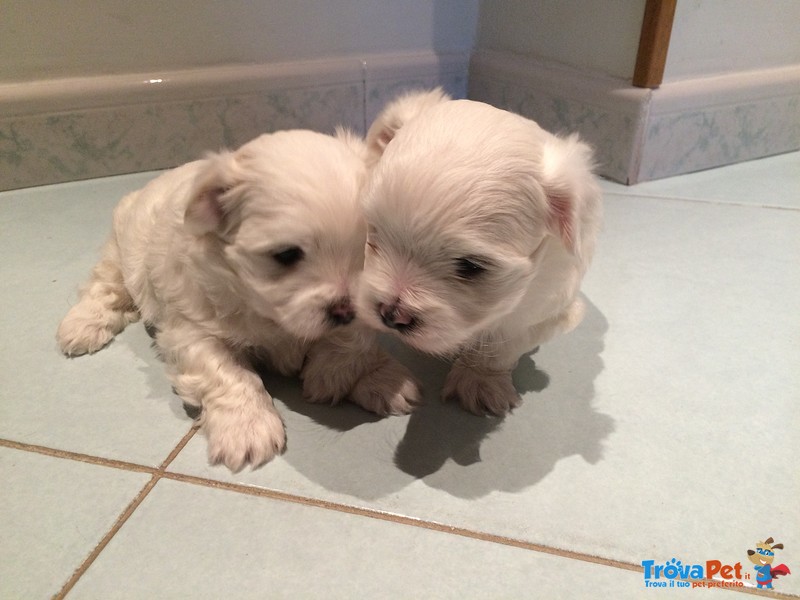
(666, 426)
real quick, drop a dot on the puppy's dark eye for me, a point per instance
(468, 268)
(288, 257)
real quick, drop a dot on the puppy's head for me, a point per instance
(459, 208)
(397, 113)
(279, 221)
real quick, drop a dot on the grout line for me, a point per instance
(121, 520)
(399, 519)
(177, 449)
(654, 196)
(763, 593)
(99, 460)
(161, 473)
(156, 475)
(434, 526)
(77, 456)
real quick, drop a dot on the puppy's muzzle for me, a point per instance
(396, 317)
(341, 311)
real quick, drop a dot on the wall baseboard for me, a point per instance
(79, 128)
(69, 129)
(714, 121)
(640, 134)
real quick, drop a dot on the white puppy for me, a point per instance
(246, 256)
(481, 226)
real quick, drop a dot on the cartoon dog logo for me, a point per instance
(762, 558)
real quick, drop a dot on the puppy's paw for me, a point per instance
(481, 391)
(87, 328)
(326, 381)
(390, 389)
(246, 434)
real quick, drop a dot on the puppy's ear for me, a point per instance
(352, 140)
(397, 113)
(570, 188)
(207, 209)
(562, 217)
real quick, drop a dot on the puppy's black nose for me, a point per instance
(341, 311)
(396, 317)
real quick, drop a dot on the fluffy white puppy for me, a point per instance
(481, 226)
(246, 256)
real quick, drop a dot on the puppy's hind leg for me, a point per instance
(350, 364)
(480, 378)
(104, 308)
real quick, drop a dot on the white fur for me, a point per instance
(464, 180)
(402, 110)
(195, 254)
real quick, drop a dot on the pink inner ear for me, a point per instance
(386, 136)
(383, 139)
(562, 220)
(204, 213)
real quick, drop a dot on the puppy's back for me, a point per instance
(147, 223)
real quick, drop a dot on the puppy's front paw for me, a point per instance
(389, 389)
(240, 435)
(89, 326)
(481, 391)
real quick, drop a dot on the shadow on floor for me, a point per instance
(356, 453)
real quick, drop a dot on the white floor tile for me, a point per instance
(643, 433)
(773, 181)
(170, 548)
(116, 403)
(664, 427)
(53, 512)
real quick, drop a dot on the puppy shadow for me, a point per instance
(340, 418)
(470, 456)
(438, 432)
(141, 340)
(348, 450)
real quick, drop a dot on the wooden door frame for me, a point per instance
(654, 43)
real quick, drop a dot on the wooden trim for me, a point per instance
(654, 43)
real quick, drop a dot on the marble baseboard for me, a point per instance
(705, 123)
(84, 144)
(639, 134)
(66, 130)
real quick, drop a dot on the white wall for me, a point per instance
(712, 37)
(42, 39)
(595, 35)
